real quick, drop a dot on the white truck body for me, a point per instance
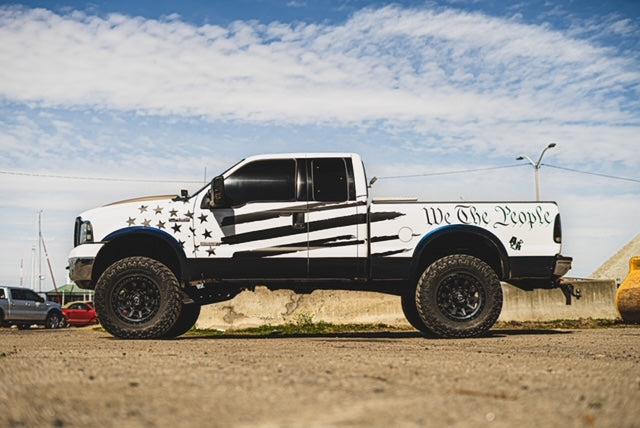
(305, 221)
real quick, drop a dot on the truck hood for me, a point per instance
(153, 211)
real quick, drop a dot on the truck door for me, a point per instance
(260, 231)
(26, 305)
(336, 220)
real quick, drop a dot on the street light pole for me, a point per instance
(536, 166)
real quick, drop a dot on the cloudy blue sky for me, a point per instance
(105, 100)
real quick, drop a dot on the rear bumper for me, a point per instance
(562, 265)
(538, 272)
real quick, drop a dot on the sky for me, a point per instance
(106, 100)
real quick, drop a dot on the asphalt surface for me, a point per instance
(551, 378)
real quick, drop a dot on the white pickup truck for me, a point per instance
(305, 222)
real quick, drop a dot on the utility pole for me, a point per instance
(536, 166)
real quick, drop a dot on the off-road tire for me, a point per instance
(410, 310)
(138, 298)
(54, 320)
(186, 320)
(459, 296)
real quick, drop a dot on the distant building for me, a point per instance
(69, 293)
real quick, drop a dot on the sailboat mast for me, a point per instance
(40, 251)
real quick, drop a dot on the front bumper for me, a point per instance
(81, 261)
(81, 269)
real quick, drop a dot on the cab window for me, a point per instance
(329, 180)
(267, 180)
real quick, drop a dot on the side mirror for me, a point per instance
(217, 190)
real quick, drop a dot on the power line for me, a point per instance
(69, 177)
(429, 174)
(634, 180)
(462, 171)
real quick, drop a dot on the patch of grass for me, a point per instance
(305, 326)
(582, 323)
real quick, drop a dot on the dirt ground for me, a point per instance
(550, 378)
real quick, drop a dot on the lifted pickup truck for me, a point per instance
(305, 222)
(24, 307)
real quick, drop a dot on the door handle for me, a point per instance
(298, 221)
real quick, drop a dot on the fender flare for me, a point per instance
(478, 232)
(152, 233)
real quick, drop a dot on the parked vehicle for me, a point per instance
(24, 307)
(79, 313)
(305, 222)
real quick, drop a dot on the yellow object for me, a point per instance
(628, 295)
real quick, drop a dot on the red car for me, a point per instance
(80, 313)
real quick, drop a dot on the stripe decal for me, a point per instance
(271, 214)
(344, 240)
(390, 253)
(384, 238)
(314, 226)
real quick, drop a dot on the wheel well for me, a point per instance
(462, 242)
(138, 245)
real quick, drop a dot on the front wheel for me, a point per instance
(138, 298)
(459, 296)
(187, 319)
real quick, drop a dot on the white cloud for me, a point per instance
(387, 64)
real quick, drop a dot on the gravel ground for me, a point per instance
(549, 378)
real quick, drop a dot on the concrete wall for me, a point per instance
(252, 309)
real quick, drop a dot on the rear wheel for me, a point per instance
(410, 311)
(459, 296)
(54, 320)
(138, 298)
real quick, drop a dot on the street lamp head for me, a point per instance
(519, 158)
(552, 145)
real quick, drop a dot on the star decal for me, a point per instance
(160, 225)
(131, 221)
(176, 228)
(174, 213)
(206, 234)
(189, 214)
(211, 252)
(192, 230)
(203, 218)
(195, 248)
(146, 223)
(158, 210)
(143, 208)
(181, 243)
